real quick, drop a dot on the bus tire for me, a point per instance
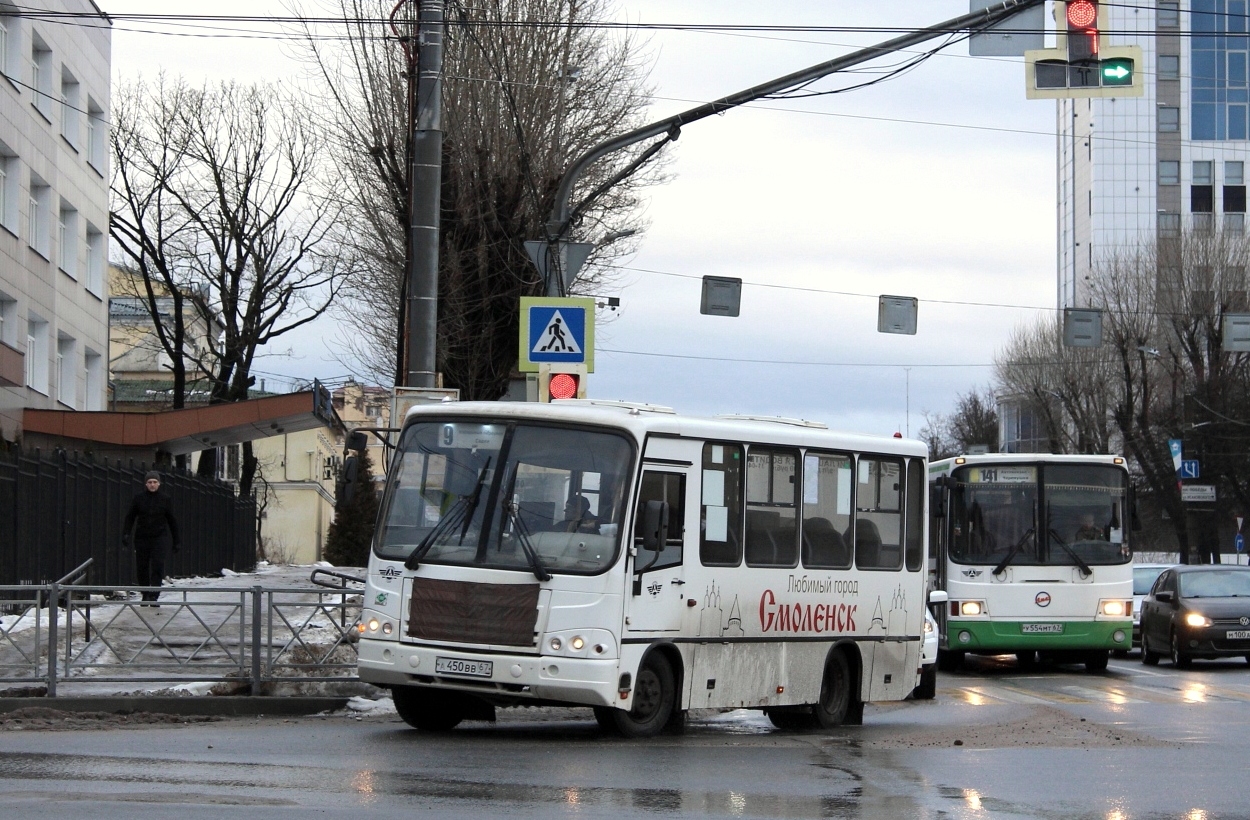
(654, 696)
(948, 660)
(428, 710)
(1096, 660)
(835, 692)
(604, 717)
(1026, 659)
(1147, 657)
(926, 689)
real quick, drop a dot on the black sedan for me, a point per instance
(1197, 611)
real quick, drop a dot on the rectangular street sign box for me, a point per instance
(1197, 493)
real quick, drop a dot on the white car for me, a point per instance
(926, 689)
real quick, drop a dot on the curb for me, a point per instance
(230, 706)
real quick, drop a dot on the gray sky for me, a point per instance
(937, 184)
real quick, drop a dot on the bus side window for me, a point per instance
(772, 508)
(670, 487)
(826, 510)
(720, 520)
(878, 520)
(915, 514)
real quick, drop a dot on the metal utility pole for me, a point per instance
(420, 363)
(563, 213)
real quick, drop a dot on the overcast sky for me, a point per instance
(937, 184)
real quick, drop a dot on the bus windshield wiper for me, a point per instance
(523, 533)
(1011, 553)
(460, 513)
(1076, 559)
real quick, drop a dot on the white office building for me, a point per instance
(54, 115)
(1133, 168)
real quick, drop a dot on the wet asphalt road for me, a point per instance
(1136, 743)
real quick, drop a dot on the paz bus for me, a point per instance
(1034, 553)
(642, 563)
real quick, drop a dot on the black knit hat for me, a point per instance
(151, 475)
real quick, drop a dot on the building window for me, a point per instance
(8, 320)
(1169, 67)
(1204, 222)
(1219, 60)
(39, 216)
(95, 261)
(37, 354)
(1169, 172)
(1234, 199)
(66, 371)
(1235, 223)
(1169, 14)
(97, 135)
(11, 44)
(1169, 118)
(1169, 224)
(70, 106)
(1202, 172)
(93, 378)
(41, 75)
(1234, 172)
(9, 189)
(67, 240)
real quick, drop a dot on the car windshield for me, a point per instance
(1215, 584)
(506, 495)
(1144, 578)
(1039, 515)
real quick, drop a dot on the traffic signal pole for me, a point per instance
(564, 213)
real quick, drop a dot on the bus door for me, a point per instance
(657, 599)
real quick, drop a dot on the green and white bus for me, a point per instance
(642, 563)
(1033, 551)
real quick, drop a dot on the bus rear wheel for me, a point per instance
(655, 694)
(427, 709)
(1096, 660)
(835, 692)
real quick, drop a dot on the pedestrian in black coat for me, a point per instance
(155, 529)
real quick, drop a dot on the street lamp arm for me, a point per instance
(562, 211)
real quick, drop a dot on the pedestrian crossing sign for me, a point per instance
(557, 331)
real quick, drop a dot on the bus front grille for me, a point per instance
(472, 613)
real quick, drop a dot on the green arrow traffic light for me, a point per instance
(1117, 71)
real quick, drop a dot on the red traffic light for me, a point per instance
(1083, 14)
(562, 386)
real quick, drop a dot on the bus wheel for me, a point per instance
(948, 660)
(654, 696)
(1026, 659)
(604, 717)
(1096, 661)
(835, 692)
(427, 709)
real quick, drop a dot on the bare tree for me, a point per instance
(973, 422)
(226, 212)
(527, 90)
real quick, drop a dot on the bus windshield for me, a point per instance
(1039, 515)
(506, 495)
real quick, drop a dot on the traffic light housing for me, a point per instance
(561, 381)
(1082, 64)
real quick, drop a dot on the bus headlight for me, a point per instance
(1197, 619)
(377, 626)
(1116, 609)
(971, 608)
(583, 643)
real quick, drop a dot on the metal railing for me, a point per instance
(68, 633)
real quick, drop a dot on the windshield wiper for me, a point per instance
(523, 532)
(1076, 559)
(1011, 553)
(460, 512)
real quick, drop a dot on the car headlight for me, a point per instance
(1197, 619)
(928, 626)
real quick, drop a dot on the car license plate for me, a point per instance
(459, 666)
(1035, 629)
(1237, 635)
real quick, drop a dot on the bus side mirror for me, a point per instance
(938, 596)
(937, 506)
(1132, 509)
(655, 525)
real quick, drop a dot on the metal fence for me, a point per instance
(63, 633)
(60, 509)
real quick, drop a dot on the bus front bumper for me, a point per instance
(1013, 636)
(498, 677)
